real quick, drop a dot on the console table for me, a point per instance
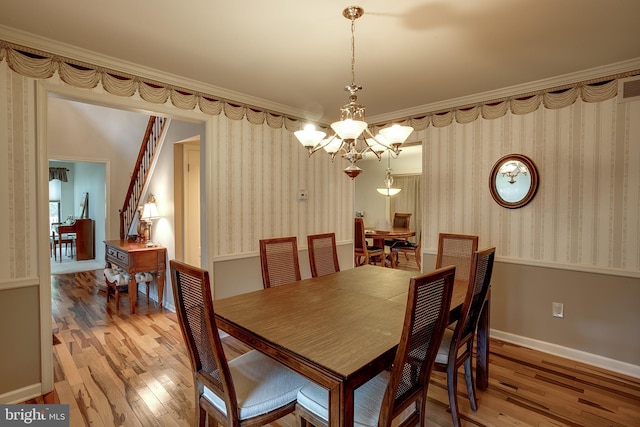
(137, 258)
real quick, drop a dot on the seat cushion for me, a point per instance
(261, 384)
(443, 351)
(368, 400)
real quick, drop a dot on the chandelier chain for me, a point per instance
(353, 51)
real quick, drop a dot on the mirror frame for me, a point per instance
(533, 173)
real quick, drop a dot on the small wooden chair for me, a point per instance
(456, 347)
(457, 249)
(323, 255)
(279, 261)
(391, 394)
(362, 253)
(250, 390)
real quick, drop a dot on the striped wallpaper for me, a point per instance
(586, 210)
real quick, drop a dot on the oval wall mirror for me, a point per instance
(513, 181)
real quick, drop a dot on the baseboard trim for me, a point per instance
(569, 353)
(22, 394)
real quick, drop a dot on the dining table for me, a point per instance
(338, 330)
(379, 236)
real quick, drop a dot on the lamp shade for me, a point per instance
(150, 211)
(349, 128)
(396, 134)
(388, 191)
(309, 137)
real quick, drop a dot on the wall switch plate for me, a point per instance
(557, 309)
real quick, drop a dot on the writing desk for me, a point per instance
(338, 330)
(84, 230)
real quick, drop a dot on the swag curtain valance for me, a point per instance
(42, 65)
(58, 173)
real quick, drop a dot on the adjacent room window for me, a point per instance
(54, 212)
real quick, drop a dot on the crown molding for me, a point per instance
(72, 52)
(511, 91)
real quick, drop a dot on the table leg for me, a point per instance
(60, 245)
(482, 354)
(160, 282)
(340, 406)
(133, 294)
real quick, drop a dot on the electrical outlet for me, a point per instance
(557, 309)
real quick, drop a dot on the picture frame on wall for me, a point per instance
(84, 205)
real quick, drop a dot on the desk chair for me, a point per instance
(323, 256)
(279, 261)
(456, 347)
(362, 253)
(457, 249)
(250, 390)
(393, 394)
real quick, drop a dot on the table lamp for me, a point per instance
(149, 213)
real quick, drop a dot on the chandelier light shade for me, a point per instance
(352, 137)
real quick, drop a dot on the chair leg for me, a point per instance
(471, 388)
(418, 260)
(452, 388)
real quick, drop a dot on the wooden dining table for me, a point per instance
(379, 236)
(338, 330)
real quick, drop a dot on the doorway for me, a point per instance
(88, 145)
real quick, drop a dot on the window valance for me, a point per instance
(58, 173)
(42, 65)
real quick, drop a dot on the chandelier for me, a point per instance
(388, 189)
(513, 169)
(352, 137)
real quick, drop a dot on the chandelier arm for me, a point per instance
(320, 145)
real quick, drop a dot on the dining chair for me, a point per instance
(400, 220)
(363, 253)
(279, 261)
(457, 249)
(456, 347)
(250, 390)
(406, 247)
(323, 256)
(400, 392)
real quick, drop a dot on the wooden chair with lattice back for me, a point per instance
(457, 249)
(363, 253)
(456, 347)
(250, 390)
(393, 393)
(323, 255)
(279, 261)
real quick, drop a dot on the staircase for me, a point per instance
(141, 172)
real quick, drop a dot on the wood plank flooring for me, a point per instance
(117, 369)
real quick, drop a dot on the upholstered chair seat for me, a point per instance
(255, 377)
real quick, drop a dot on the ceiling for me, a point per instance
(296, 54)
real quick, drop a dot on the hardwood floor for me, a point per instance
(117, 369)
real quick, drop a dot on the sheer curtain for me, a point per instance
(408, 200)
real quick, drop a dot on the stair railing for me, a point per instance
(141, 172)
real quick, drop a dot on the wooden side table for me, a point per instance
(135, 258)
